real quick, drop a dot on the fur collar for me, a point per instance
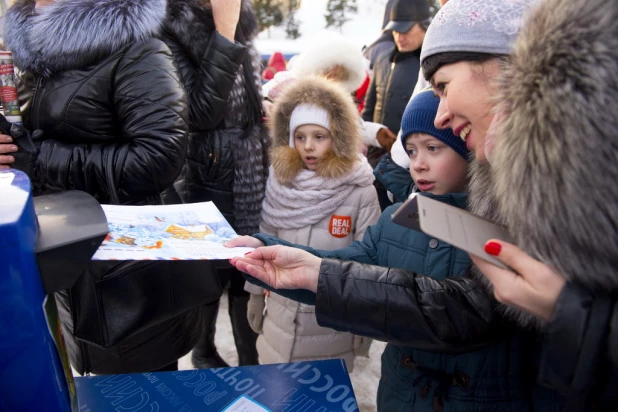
(190, 22)
(482, 202)
(345, 128)
(558, 194)
(76, 33)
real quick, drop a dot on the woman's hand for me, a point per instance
(226, 14)
(281, 267)
(534, 288)
(6, 148)
(244, 241)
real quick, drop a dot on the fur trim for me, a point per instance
(482, 202)
(344, 121)
(558, 194)
(333, 166)
(286, 163)
(327, 50)
(72, 34)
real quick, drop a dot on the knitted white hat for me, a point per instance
(307, 114)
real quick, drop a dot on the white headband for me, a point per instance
(307, 114)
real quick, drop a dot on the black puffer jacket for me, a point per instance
(226, 162)
(114, 115)
(394, 78)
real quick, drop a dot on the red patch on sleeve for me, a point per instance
(340, 226)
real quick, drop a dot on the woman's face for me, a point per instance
(465, 93)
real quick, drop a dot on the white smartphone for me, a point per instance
(450, 224)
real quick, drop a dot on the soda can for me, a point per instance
(8, 88)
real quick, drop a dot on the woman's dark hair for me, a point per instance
(432, 63)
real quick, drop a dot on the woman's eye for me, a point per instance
(319, 137)
(439, 89)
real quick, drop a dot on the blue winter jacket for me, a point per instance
(499, 377)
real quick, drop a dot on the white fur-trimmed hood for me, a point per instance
(76, 33)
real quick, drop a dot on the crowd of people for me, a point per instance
(502, 108)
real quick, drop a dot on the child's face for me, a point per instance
(313, 142)
(434, 166)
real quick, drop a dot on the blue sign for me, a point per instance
(317, 386)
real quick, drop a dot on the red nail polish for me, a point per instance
(248, 253)
(493, 248)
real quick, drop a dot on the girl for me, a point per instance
(319, 194)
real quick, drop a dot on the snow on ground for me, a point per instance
(364, 378)
(362, 28)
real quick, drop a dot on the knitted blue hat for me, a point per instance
(419, 117)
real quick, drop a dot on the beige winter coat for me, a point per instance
(289, 331)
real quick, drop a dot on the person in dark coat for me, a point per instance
(227, 161)
(395, 74)
(109, 98)
(384, 42)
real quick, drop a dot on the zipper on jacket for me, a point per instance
(388, 86)
(36, 103)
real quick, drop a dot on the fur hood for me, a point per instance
(345, 128)
(327, 50)
(76, 33)
(556, 184)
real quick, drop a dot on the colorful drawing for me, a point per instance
(184, 232)
(158, 245)
(126, 240)
(170, 232)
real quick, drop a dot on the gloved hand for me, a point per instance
(255, 311)
(27, 145)
(386, 138)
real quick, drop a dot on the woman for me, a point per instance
(227, 161)
(578, 354)
(109, 132)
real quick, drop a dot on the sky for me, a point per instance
(363, 28)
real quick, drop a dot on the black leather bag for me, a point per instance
(114, 300)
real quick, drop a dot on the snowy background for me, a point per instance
(364, 378)
(364, 27)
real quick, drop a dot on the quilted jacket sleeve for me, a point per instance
(454, 315)
(210, 82)
(152, 123)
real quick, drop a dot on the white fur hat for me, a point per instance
(327, 49)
